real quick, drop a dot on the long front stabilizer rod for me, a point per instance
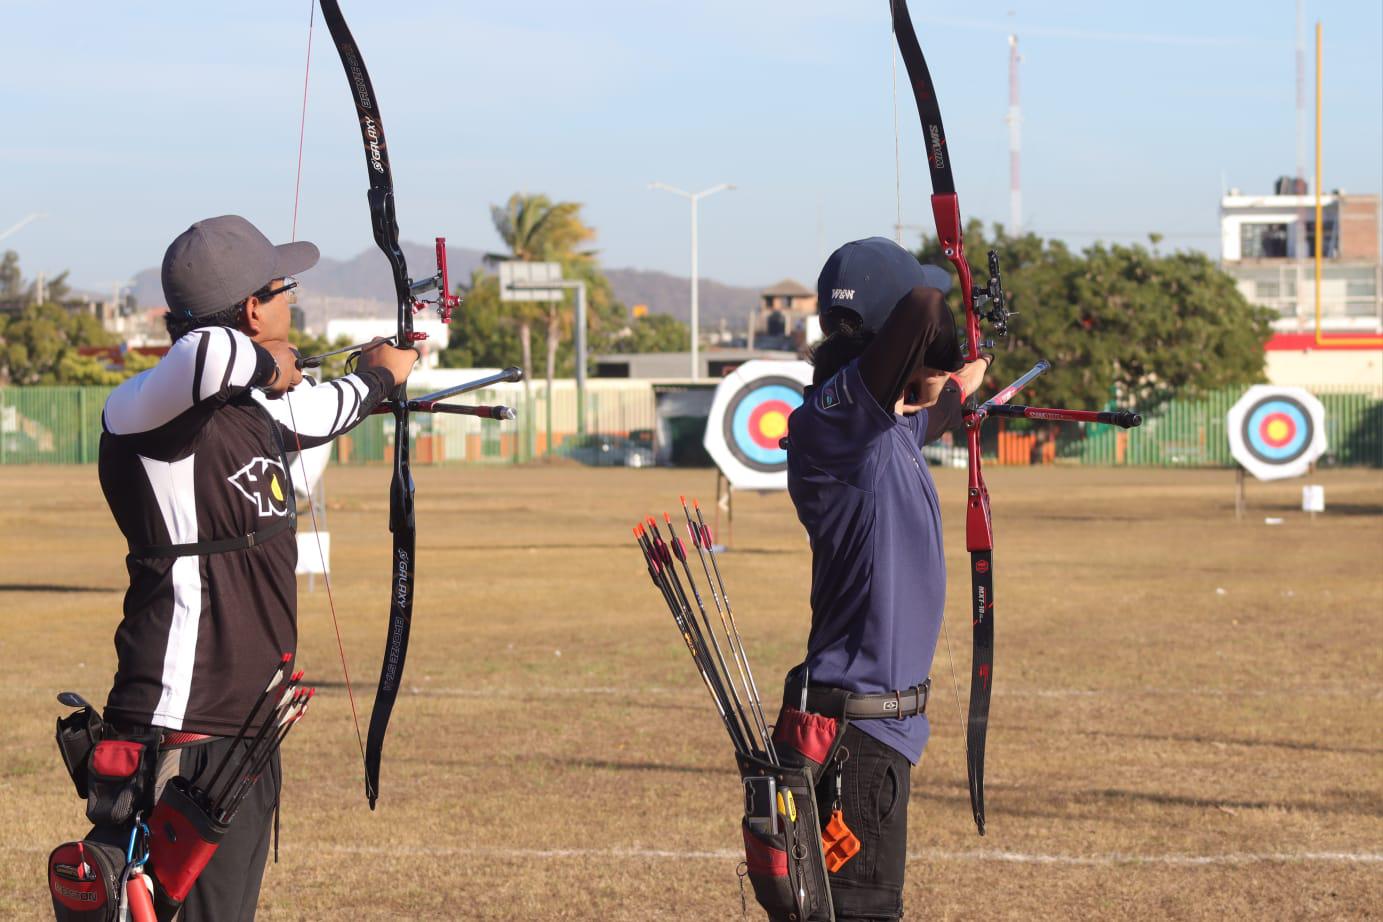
(1125, 419)
(458, 409)
(512, 373)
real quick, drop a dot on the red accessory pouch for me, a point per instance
(810, 734)
(182, 838)
(120, 778)
(84, 880)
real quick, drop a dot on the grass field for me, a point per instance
(1187, 718)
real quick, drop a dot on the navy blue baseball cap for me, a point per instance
(868, 278)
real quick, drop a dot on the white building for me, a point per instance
(1267, 244)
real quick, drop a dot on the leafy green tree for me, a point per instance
(34, 343)
(90, 370)
(54, 290)
(11, 280)
(654, 333)
(483, 330)
(1119, 323)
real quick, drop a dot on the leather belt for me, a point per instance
(172, 738)
(838, 703)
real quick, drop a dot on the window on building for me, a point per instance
(1361, 291)
(1360, 283)
(1330, 245)
(1269, 286)
(1263, 241)
(607, 370)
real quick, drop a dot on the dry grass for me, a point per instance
(1186, 720)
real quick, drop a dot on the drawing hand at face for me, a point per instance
(922, 390)
(288, 375)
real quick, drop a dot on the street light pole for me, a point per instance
(694, 197)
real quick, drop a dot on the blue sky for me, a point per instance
(127, 121)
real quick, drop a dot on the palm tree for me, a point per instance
(535, 229)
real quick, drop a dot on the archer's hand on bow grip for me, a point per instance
(398, 362)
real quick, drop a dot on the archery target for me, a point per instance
(749, 418)
(1277, 432)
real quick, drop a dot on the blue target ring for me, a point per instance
(756, 421)
(1277, 430)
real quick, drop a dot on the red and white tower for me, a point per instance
(1014, 119)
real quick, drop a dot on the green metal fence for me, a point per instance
(1192, 433)
(50, 425)
(62, 425)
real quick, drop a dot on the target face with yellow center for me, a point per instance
(749, 419)
(1277, 432)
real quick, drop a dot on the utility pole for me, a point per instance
(694, 198)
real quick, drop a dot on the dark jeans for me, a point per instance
(228, 889)
(875, 784)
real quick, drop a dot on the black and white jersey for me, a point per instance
(192, 451)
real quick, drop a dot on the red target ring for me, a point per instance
(768, 423)
(1277, 429)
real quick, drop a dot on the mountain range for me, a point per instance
(361, 287)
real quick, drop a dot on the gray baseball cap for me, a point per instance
(219, 262)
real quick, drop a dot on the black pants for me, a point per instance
(228, 889)
(875, 784)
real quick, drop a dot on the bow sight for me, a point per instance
(445, 302)
(993, 294)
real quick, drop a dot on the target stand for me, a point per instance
(1274, 433)
(745, 428)
(725, 501)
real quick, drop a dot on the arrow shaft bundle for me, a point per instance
(732, 689)
(784, 859)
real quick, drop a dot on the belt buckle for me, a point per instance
(923, 692)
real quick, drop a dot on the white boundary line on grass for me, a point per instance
(1363, 692)
(1110, 859)
(689, 690)
(933, 854)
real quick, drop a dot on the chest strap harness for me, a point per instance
(239, 542)
(218, 545)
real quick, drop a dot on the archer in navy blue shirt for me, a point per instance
(863, 492)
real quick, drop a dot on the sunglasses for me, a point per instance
(269, 294)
